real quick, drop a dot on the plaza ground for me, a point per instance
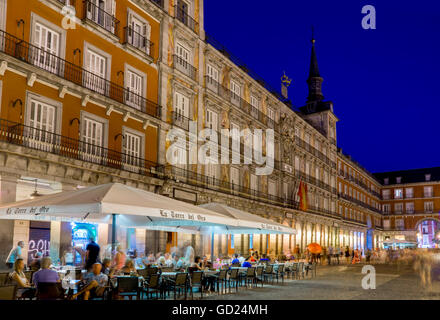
(344, 283)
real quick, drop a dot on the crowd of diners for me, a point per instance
(99, 273)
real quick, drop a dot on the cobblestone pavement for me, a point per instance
(343, 283)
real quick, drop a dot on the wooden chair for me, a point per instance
(152, 286)
(312, 269)
(301, 270)
(221, 279)
(127, 287)
(268, 273)
(259, 275)
(196, 282)
(49, 291)
(280, 273)
(4, 278)
(8, 292)
(180, 282)
(250, 277)
(234, 279)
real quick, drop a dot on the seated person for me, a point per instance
(129, 268)
(45, 274)
(161, 262)
(241, 259)
(181, 263)
(95, 283)
(107, 268)
(247, 263)
(235, 260)
(196, 265)
(169, 260)
(35, 264)
(206, 263)
(24, 289)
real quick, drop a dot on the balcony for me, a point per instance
(67, 2)
(53, 64)
(138, 41)
(185, 67)
(98, 16)
(186, 19)
(33, 138)
(239, 102)
(358, 202)
(180, 121)
(159, 3)
(428, 194)
(198, 180)
(212, 183)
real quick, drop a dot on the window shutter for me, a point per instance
(130, 27)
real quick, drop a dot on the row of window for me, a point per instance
(49, 43)
(43, 120)
(398, 193)
(352, 173)
(386, 181)
(314, 142)
(409, 207)
(356, 194)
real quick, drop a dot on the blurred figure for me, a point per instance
(347, 254)
(189, 252)
(15, 254)
(35, 264)
(92, 253)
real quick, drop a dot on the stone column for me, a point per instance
(11, 231)
(55, 243)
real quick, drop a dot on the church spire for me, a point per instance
(314, 81)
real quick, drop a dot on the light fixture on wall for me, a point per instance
(35, 194)
(119, 135)
(21, 106)
(19, 23)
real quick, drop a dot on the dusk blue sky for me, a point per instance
(384, 83)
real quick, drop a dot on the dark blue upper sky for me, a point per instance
(384, 83)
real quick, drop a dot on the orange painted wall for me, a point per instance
(15, 86)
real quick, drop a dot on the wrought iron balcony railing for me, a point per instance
(68, 2)
(185, 67)
(138, 41)
(51, 63)
(186, 19)
(241, 103)
(99, 16)
(34, 138)
(159, 3)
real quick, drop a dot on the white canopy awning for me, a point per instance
(249, 221)
(134, 207)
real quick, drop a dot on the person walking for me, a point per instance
(347, 254)
(15, 254)
(330, 255)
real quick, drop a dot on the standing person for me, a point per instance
(347, 254)
(14, 254)
(338, 253)
(119, 259)
(189, 253)
(92, 253)
(330, 255)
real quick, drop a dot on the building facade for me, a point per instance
(92, 91)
